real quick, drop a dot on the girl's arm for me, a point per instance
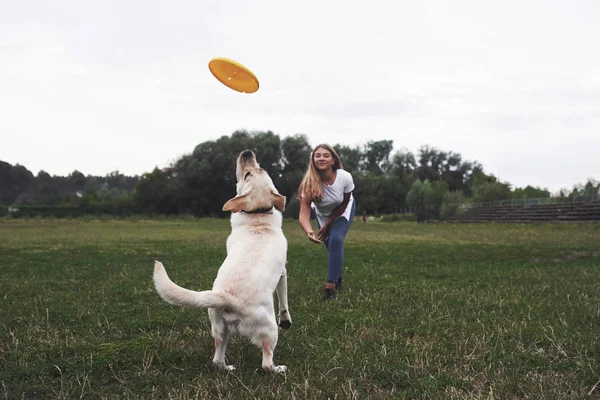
(304, 219)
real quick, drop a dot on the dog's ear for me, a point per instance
(236, 204)
(278, 201)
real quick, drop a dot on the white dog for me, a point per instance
(241, 300)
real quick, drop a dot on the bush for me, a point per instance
(398, 217)
(46, 211)
(426, 198)
(451, 205)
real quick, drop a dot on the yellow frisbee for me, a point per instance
(233, 75)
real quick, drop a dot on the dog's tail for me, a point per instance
(175, 294)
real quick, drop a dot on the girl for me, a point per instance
(327, 188)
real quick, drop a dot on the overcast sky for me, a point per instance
(100, 86)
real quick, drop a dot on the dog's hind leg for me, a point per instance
(220, 346)
(267, 340)
(268, 347)
(285, 319)
(221, 335)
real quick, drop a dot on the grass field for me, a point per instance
(428, 311)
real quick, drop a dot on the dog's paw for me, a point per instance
(285, 324)
(275, 369)
(223, 366)
(279, 369)
(285, 319)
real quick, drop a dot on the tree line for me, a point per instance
(431, 183)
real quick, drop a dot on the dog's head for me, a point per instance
(255, 189)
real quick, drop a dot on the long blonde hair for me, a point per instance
(310, 187)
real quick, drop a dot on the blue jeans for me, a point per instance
(335, 245)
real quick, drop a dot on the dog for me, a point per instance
(241, 300)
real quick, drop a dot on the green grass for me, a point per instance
(428, 311)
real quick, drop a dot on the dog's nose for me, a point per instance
(246, 154)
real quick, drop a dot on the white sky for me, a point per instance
(100, 86)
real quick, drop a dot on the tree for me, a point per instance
(403, 164)
(151, 194)
(376, 156)
(430, 163)
(435, 197)
(434, 165)
(204, 180)
(427, 198)
(77, 180)
(295, 158)
(416, 199)
(5, 183)
(591, 187)
(487, 188)
(468, 170)
(366, 193)
(351, 157)
(530, 192)
(401, 175)
(46, 189)
(14, 180)
(295, 153)
(451, 204)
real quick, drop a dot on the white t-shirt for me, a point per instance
(333, 195)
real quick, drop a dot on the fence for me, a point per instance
(532, 201)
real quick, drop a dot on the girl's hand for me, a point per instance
(323, 232)
(312, 237)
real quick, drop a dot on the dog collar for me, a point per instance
(259, 211)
